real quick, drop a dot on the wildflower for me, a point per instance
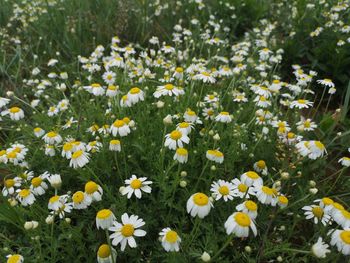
(135, 95)
(265, 195)
(52, 138)
(205, 76)
(79, 159)
(181, 155)
(81, 200)
(38, 186)
(341, 239)
(3, 102)
(25, 196)
(95, 89)
(112, 90)
(205, 257)
(124, 232)
(104, 219)
(239, 223)
(136, 186)
(249, 207)
(320, 248)
(38, 132)
(94, 190)
(109, 77)
(168, 90)
(222, 189)
(176, 139)
(317, 214)
(114, 145)
(223, 117)
(326, 82)
(342, 217)
(15, 113)
(345, 161)
(260, 167)
(251, 178)
(199, 204)
(184, 127)
(282, 201)
(301, 104)
(104, 254)
(306, 125)
(9, 186)
(55, 180)
(241, 189)
(215, 155)
(120, 127)
(170, 240)
(191, 116)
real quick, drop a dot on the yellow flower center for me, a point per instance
(242, 188)
(118, 123)
(317, 211)
(126, 120)
(52, 134)
(345, 236)
(127, 230)
(115, 142)
(290, 135)
(327, 201)
(261, 164)
(9, 183)
(181, 151)
(302, 101)
(136, 184)
(252, 175)
(242, 219)
(37, 129)
(2, 152)
(206, 74)
(67, 146)
(36, 181)
(179, 70)
(338, 206)
(283, 200)
(223, 190)
(319, 145)
(250, 205)
(91, 187)
(218, 153)
(54, 199)
(112, 87)
(24, 193)
(224, 113)
(169, 86)
(77, 154)
(104, 251)
(200, 199)
(171, 236)
(95, 85)
(135, 90)
(12, 155)
(104, 214)
(184, 125)
(175, 135)
(14, 258)
(346, 214)
(268, 190)
(14, 109)
(78, 197)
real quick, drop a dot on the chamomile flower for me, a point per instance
(205, 76)
(38, 132)
(342, 217)
(181, 155)
(282, 201)
(94, 190)
(4, 102)
(215, 155)
(260, 167)
(15, 113)
(119, 127)
(176, 139)
(79, 159)
(199, 205)
(251, 178)
(184, 127)
(168, 90)
(37, 185)
(14, 258)
(317, 149)
(265, 194)
(326, 82)
(55, 180)
(125, 231)
(81, 200)
(241, 189)
(301, 104)
(239, 223)
(104, 254)
(52, 138)
(25, 196)
(136, 186)
(95, 89)
(191, 116)
(109, 77)
(55, 203)
(9, 186)
(249, 207)
(170, 239)
(135, 95)
(114, 145)
(320, 248)
(104, 219)
(112, 90)
(317, 214)
(222, 189)
(345, 161)
(223, 117)
(306, 125)
(341, 239)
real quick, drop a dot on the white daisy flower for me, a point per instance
(176, 139)
(266, 195)
(241, 189)
(104, 219)
(124, 232)
(9, 186)
(79, 159)
(136, 186)
(222, 189)
(114, 145)
(170, 240)
(248, 207)
(135, 95)
(168, 90)
(15, 113)
(326, 82)
(301, 104)
(345, 161)
(25, 196)
(320, 248)
(181, 155)
(260, 167)
(239, 223)
(105, 255)
(215, 155)
(251, 178)
(38, 186)
(120, 127)
(14, 258)
(341, 239)
(199, 204)
(317, 214)
(223, 117)
(93, 190)
(81, 200)
(52, 138)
